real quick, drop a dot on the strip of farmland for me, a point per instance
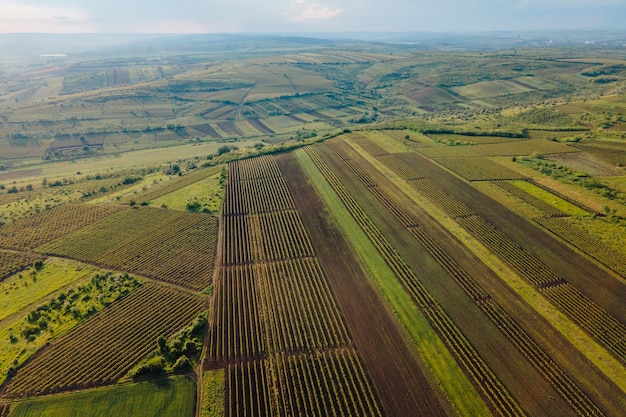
(275, 325)
(36, 230)
(566, 387)
(397, 377)
(491, 389)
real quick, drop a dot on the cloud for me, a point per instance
(569, 4)
(19, 17)
(313, 11)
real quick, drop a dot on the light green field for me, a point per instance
(486, 89)
(132, 159)
(212, 394)
(168, 397)
(432, 350)
(547, 197)
(21, 290)
(125, 193)
(207, 192)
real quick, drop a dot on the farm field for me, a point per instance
(142, 239)
(412, 224)
(172, 397)
(277, 226)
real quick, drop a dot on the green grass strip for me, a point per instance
(549, 198)
(166, 397)
(212, 394)
(451, 378)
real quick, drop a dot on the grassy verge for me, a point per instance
(450, 377)
(167, 397)
(212, 394)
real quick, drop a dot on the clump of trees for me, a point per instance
(177, 353)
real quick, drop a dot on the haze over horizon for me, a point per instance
(272, 16)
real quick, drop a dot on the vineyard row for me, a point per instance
(328, 383)
(275, 325)
(603, 327)
(274, 307)
(163, 244)
(30, 232)
(586, 243)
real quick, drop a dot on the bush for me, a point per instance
(153, 366)
(182, 364)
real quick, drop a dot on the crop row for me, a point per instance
(583, 311)
(548, 209)
(102, 349)
(256, 187)
(43, 227)
(419, 181)
(402, 169)
(592, 318)
(509, 327)
(478, 169)
(368, 144)
(254, 168)
(486, 383)
(446, 202)
(12, 263)
(247, 390)
(587, 243)
(256, 196)
(267, 236)
(5, 410)
(329, 383)
(274, 307)
(172, 246)
(569, 390)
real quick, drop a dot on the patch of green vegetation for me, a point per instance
(167, 397)
(547, 197)
(178, 353)
(544, 117)
(212, 394)
(24, 335)
(202, 196)
(432, 350)
(568, 175)
(25, 288)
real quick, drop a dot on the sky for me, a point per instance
(298, 16)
